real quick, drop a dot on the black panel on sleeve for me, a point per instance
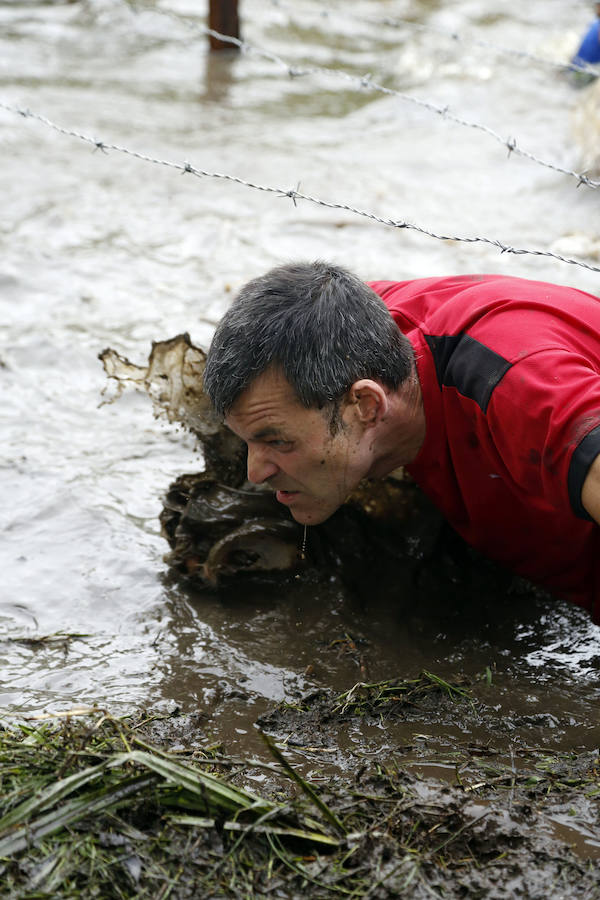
(463, 363)
(583, 457)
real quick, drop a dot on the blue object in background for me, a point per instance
(589, 50)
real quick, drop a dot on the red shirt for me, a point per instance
(510, 375)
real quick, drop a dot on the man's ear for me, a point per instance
(369, 401)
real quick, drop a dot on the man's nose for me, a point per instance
(260, 467)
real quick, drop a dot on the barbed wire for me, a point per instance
(366, 83)
(522, 55)
(453, 35)
(293, 194)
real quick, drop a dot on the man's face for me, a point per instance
(291, 448)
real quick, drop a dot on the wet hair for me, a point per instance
(319, 324)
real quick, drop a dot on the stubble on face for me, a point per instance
(309, 457)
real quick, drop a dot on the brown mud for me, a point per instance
(425, 813)
(150, 806)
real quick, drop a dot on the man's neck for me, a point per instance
(400, 435)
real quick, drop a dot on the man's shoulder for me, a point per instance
(530, 312)
(421, 300)
(436, 284)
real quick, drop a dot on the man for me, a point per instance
(486, 388)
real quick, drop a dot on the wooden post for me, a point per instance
(223, 17)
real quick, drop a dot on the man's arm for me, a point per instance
(590, 493)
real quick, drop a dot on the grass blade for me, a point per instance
(213, 791)
(304, 785)
(46, 798)
(92, 803)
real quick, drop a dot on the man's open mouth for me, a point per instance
(286, 496)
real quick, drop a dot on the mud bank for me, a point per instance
(151, 806)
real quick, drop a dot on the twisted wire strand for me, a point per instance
(365, 82)
(396, 22)
(522, 55)
(293, 194)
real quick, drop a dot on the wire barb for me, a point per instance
(520, 55)
(294, 194)
(362, 82)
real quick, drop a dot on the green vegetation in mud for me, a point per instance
(89, 808)
(369, 698)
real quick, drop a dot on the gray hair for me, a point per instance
(319, 324)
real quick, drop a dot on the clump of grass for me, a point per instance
(377, 696)
(88, 809)
(76, 799)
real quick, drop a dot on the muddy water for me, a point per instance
(101, 249)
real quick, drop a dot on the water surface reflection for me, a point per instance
(100, 250)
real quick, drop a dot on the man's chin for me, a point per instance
(305, 509)
(310, 517)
